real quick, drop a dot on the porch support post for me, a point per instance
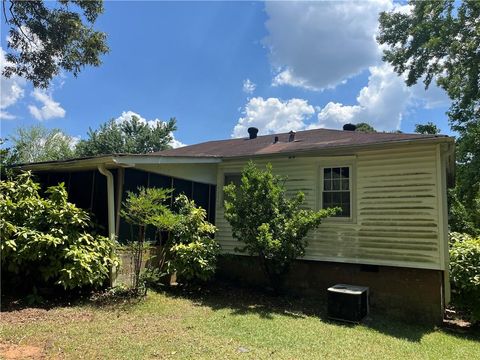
(111, 213)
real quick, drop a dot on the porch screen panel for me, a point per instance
(81, 187)
(212, 204)
(181, 186)
(201, 195)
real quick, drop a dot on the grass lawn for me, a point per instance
(222, 323)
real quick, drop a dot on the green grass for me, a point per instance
(223, 323)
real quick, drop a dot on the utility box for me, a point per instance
(347, 302)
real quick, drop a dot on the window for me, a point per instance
(337, 189)
(235, 179)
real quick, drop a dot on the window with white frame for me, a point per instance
(336, 190)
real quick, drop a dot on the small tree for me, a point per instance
(270, 225)
(147, 207)
(193, 252)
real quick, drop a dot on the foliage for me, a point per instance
(152, 276)
(132, 136)
(46, 239)
(45, 39)
(459, 218)
(364, 127)
(465, 274)
(7, 158)
(147, 207)
(438, 40)
(37, 143)
(269, 224)
(428, 128)
(468, 171)
(194, 251)
(455, 237)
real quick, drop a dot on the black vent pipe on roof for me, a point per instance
(349, 127)
(291, 136)
(252, 131)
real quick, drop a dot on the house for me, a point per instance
(392, 233)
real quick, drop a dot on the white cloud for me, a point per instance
(11, 90)
(382, 103)
(273, 115)
(50, 109)
(249, 86)
(127, 115)
(319, 45)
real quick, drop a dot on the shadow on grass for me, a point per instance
(243, 301)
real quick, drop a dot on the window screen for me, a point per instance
(336, 189)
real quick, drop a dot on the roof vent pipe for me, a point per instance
(252, 131)
(291, 136)
(349, 127)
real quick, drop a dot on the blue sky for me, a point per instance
(220, 67)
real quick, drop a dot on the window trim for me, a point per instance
(352, 186)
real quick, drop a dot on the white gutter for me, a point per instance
(111, 212)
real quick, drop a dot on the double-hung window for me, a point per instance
(337, 190)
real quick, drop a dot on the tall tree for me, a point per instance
(428, 128)
(438, 40)
(37, 143)
(364, 127)
(47, 38)
(132, 136)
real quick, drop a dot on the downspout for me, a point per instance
(111, 212)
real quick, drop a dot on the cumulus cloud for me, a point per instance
(11, 90)
(273, 115)
(382, 103)
(249, 86)
(319, 45)
(50, 109)
(127, 115)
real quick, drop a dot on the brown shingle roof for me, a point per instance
(308, 140)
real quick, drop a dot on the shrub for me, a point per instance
(271, 226)
(46, 240)
(465, 275)
(193, 252)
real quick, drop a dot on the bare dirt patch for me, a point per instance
(12, 351)
(29, 315)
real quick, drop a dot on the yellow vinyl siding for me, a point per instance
(395, 206)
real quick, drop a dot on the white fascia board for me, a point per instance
(154, 160)
(76, 164)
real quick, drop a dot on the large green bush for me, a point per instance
(194, 251)
(46, 240)
(270, 225)
(465, 274)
